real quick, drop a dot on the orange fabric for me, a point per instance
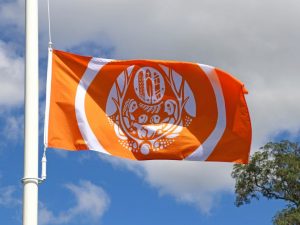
(237, 136)
(63, 131)
(168, 110)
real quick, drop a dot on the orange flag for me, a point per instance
(146, 109)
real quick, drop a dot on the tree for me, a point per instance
(274, 173)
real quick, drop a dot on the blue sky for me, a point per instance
(257, 41)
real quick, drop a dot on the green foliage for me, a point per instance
(274, 173)
(288, 216)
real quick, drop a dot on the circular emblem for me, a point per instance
(149, 109)
(152, 116)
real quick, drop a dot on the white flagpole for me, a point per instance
(31, 180)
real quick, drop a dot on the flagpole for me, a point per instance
(31, 180)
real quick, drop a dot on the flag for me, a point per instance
(145, 109)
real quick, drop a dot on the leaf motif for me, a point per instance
(119, 132)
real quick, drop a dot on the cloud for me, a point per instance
(12, 13)
(8, 198)
(91, 202)
(13, 128)
(11, 76)
(197, 184)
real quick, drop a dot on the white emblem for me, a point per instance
(153, 115)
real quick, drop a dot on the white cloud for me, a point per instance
(11, 77)
(194, 183)
(8, 198)
(199, 184)
(13, 129)
(12, 13)
(91, 202)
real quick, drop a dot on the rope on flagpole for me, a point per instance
(44, 158)
(49, 25)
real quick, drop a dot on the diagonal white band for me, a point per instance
(94, 67)
(204, 150)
